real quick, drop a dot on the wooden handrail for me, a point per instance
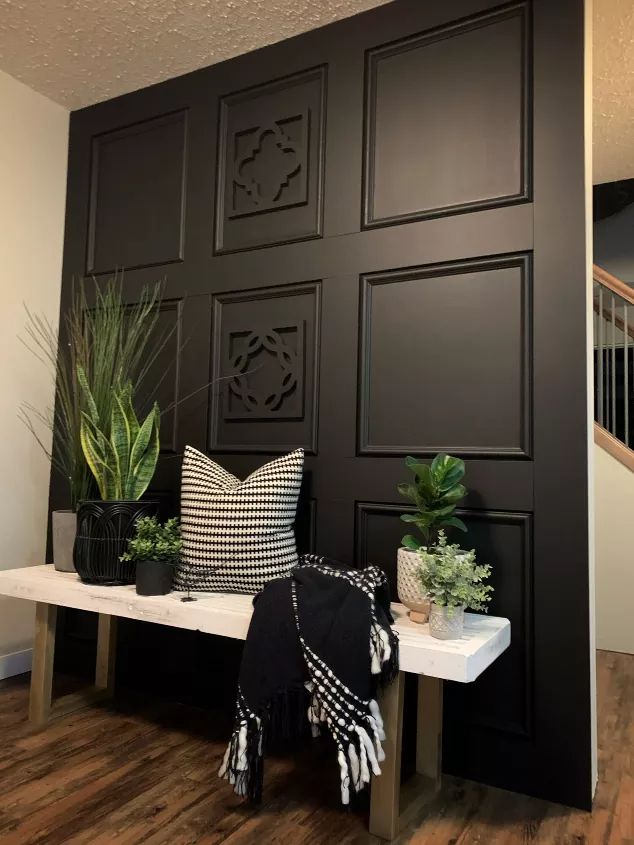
(613, 447)
(615, 285)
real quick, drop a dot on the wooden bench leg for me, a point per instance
(390, 807)
(106, 653)
(43, 656)
(41, 705)
(429, 729)
(386, 789)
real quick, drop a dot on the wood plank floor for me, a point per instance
(145, 773)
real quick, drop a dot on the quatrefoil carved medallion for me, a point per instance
(269, 168)
(267, 375)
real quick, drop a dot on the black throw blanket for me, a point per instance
(319, 644)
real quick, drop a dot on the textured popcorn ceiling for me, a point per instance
(79, 52)
(613, 90)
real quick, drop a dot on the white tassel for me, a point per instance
(369, 747)
(345, 790)
(354, 765)
(376, 715)
(385, 642)
(363, 760)
(242, 762)
(222, 771)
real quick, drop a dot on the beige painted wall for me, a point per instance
(33, 161)
(614, 526)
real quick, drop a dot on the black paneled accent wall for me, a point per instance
(378, 226)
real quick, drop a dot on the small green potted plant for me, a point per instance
(435, 491)
(155, 549)
(453, 581)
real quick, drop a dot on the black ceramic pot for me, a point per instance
(103, 531)
(154, 577)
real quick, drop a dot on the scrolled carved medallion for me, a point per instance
(266, 367)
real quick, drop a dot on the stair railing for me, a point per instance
(613, 355)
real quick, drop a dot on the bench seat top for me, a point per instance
(228, 615)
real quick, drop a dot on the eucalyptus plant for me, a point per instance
(435, 491)
(451, 578)
(113, 343)
(122, 456)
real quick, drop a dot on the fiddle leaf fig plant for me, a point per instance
(435, 491)
(123, 456)
(451, 578)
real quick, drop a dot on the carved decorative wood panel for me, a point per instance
(270, 166)
(264, 369)
(447, 120)
(279, 348)
(137, 195)
(428, 327)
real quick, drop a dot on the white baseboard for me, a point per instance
(15, 664)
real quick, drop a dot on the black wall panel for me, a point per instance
(372, 237)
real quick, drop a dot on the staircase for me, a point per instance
(614, 365)
(613, 461)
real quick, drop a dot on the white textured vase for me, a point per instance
(409, 590)
(446, 623)
(64, 531)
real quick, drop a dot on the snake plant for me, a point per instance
(123, 457)
(113, 342)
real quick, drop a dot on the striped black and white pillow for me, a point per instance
(237, 535)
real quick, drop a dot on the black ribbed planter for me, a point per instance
(103, 531)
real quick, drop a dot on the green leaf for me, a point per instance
(439, 463)
(121, 443)
(144, 455)
(92, 453)
(128, 410)
(99, 457)
(455, 523)
(87, 394)
(456, 493)
(440, 512)
(411, 543)
(409, 517)
(408, 491)
(421, 471)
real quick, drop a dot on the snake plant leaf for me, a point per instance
(128, 410)
(144, 455)
(87, 394)
(120, 440)
(99, 457)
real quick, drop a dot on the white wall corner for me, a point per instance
(590, 387)
(33, 165)
(15, 664)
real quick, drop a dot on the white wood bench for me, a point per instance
(434, 661)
